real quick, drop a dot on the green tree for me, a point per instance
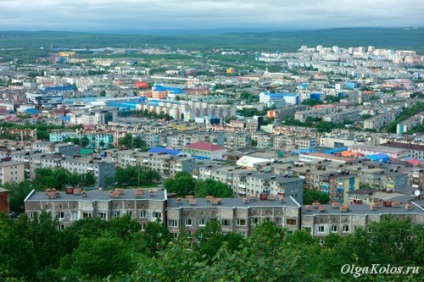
(84, 142)
(88, 179)
(310, 196)
(99, 257)
(212, 187)
(182, 184)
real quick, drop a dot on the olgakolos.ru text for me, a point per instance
(358, 271)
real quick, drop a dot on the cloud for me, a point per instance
(105, 15)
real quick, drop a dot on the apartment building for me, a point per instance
(323, 220)
(292, 143)
(239, 140)
(225, 174)
(95, 139)
(49, 148)
(102, 170)
(234, 214)
(166, 165)
(366, 150)
(415, 151)
(12, 172)
(302, 116)
(382, 120)
(205, 151)
(253, 182)
(408, 124)
(75, 204)
(340, 117)
(263, 141)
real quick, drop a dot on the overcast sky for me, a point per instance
(108, 15)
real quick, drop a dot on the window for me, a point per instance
(321, 228)
(321, 241)
(86, 215)
(143, 214)
(291, 221)
(255, 221)
(116, 214)
(345, 228)
(174, 235)
(226, 222)
(334, 228)
(201, 222)
(188, 222)
(172, 223)
(241, 222)
(130, 213)
(102, 215)
(143, 226)
(61, 215)
(74, 215)
(157, 215)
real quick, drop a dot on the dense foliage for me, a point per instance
(117, 250)
(184, 184)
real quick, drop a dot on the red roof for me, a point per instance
(205, 146)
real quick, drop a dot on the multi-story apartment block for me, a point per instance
(417, 179)
(205, 151)
(235, 215)
(93, 118)
(49, 148)
(340, 117)
(302, 116)
(239, 140)
(263, 141)
(409, 123)
(75, 204)
(225, 174)
(323, 220)
(166, 165)
(12, 172)
(102, 170)
(382, 120)
(415, 151)
(393, 153)
(94, 139)
(292, 143)
(253, 182)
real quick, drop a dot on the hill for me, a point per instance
(284, 41)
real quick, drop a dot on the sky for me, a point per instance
(121, 15)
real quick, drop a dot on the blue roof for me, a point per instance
(32, 111)
(304, 151)
(379, 157)
(157, 150)
(172, 90)
(335, 150)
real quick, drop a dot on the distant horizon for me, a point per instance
(203, 31)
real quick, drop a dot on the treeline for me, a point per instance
(284, 41)
(150, 114)
(407, 113)
(92, 249)
(183, 184)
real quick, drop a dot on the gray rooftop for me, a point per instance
(364, 209)
(99, 195)
(232, 203)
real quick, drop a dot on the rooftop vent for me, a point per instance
(396, 204)
(138, 193)
(409, 207)
(322, 209)
(335, 205)
(246, 200)
(316, 205)
(308, 207)
(344, 208)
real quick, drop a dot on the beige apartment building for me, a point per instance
(12, 172)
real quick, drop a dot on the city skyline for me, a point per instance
(109, 16)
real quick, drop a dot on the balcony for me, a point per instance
(242, 185)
